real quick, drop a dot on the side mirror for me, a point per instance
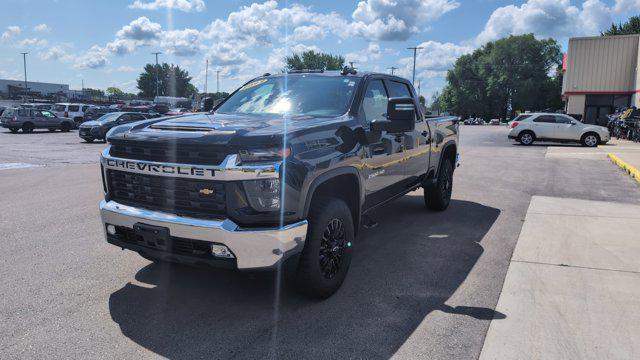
(401, 112)
(573, 122)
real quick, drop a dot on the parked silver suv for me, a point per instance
(15, 119)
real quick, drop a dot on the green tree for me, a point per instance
(89, 92)
(311, 60)
(114, 91)
(172, 81)
(632, 26)
(503, 76)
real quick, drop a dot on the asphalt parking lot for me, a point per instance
(421, 284)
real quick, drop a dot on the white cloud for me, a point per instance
(140, 29)
(546, 18)
(10, 33)
(626, 6)
(95, 58)
(307, 33)
(55, 52)
(433, 60)
(33, 42)
(42, 28)
(372, 52)
(398, 19)
(181, 42)
(121, 46)
(182, 5)
(125, 68)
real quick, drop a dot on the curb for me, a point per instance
(635, 173)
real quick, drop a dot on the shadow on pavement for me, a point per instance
(402, 270)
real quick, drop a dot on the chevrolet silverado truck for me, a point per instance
(285, 168)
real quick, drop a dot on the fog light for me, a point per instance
(111, 229)
(221, 251)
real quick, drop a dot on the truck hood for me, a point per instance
(206, 128)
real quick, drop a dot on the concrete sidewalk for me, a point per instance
(572, 290)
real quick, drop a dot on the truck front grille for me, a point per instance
(204, 199)
(169, 152)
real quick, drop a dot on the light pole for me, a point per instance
(415, 50)
(157, 75)
(393, 69)
(217, 81)
(24, 61)
(206, 77)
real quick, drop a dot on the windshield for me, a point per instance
(298, 95)
(108, 117)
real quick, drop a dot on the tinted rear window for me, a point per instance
(74, 107)
(60, 108)
(521, 117)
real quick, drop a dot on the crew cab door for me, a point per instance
(383, 160)
(417, 143)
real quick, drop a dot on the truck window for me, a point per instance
(59, 108)
(297, 95)
(398, 89)
(74, 108)
(374, 104)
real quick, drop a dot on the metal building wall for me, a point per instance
(602, 64)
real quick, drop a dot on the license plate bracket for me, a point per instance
(154, 236)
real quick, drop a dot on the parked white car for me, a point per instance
(69, 110)
(531, 127)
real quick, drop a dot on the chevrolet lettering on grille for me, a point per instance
(158, 169)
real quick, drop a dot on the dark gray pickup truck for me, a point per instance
(288, 164)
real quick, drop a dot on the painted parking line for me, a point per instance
(10, 166)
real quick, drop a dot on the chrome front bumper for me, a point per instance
(252, 248)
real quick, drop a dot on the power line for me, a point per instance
(393, 69)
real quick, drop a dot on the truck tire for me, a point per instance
(438, 196)
(325, 259)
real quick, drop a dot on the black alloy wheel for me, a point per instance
(324, 261)
(332, 248)
(438, 195)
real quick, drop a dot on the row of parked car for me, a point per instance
(92, 121)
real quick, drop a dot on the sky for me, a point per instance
(107, 43)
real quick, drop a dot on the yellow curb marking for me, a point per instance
(635, 173)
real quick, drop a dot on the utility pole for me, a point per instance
(157, 75)
(393, 69)
(24, 61)
(351, 64)
(419, 92)
(415, 50)
(83, 89)
(217, 81)
(206, 77)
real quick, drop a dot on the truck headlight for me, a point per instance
(263, 195)
(263, 155)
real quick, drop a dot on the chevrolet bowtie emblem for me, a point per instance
(206, 191)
